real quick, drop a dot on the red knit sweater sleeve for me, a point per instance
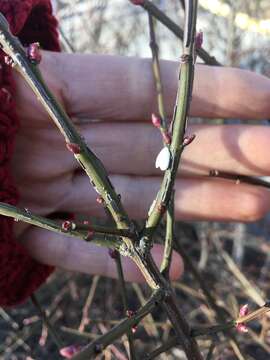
(20, 275)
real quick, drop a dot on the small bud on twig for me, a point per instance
(68, 225)
(113, 253)
(74, 148)
(241, 327)
(167, 138)
(156, 121)
(134, 329)
(100, 200)
(199, 40)
(69, 351)
(161, 208)
(8, 60)
(213, 172)
(33, 53)
(137, 2)
(188, 140)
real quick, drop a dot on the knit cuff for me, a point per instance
(20, 275)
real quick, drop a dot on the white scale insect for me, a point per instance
(163, 159)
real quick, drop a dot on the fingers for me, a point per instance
(76, 255)
(121, 88)
(132, 148)
(195, 199)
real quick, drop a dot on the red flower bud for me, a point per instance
(134, 329)
(241, 327)
(243, 310)
(74, 148)
(33, 53)
(199, 40)
(156, 121)
(137, 2)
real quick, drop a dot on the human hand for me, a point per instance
(120, 92)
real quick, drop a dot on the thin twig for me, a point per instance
(172, 342)
(103, 341)
(157, 74)
(123, 290)
(47, 322)
(251, 180)
(175, 29)
(87, 305)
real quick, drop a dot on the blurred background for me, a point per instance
(232, 258)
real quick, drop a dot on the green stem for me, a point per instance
(103, 341)
(105, 230)
(179, 122)
(86, 158)
(48, 224)
(167, 255)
